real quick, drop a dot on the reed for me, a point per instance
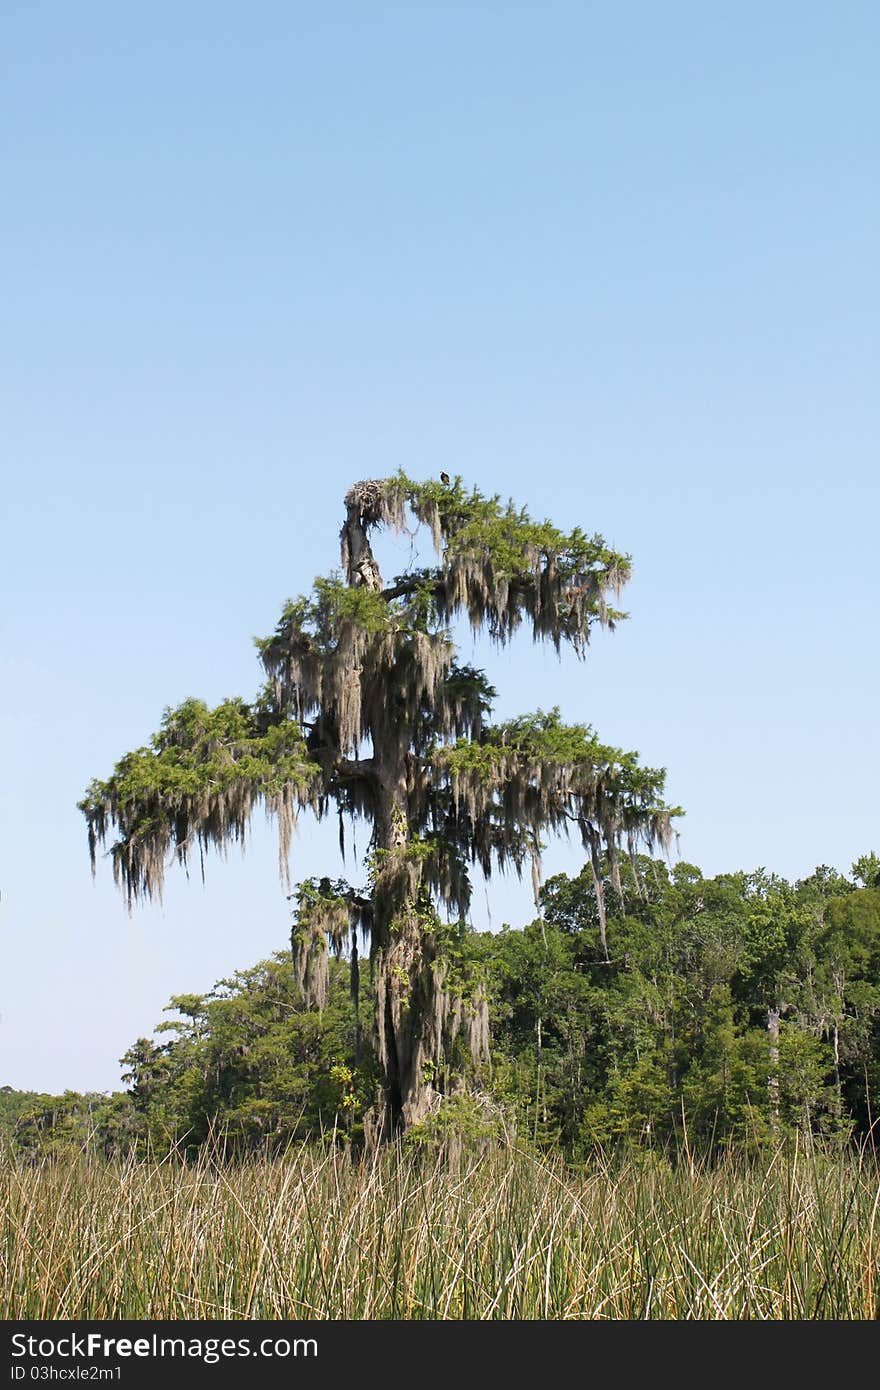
(504, 1234)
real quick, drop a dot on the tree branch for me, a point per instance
(407, 586)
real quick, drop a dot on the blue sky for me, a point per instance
(618, 262)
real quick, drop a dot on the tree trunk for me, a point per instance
(357, 556)
(407, 1005)
(773, 1077)
(356, 997)
(416, 1019)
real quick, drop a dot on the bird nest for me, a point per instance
(384, 502)
(369, 500)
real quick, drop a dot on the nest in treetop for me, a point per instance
(369, 500)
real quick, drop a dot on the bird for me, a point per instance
(444, 478)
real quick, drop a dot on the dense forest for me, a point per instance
(714, 1013)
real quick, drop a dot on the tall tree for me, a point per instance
(366, 711)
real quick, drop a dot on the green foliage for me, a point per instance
(252, 1058)
(246, 1060)
(196, 783)
(512, 549)
(866, 870)
(671, 1039)
(729, 1014)
(542, 739)
(317, 622)
(464, 1125)
(38, 1126)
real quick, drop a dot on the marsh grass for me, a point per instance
(506, 1235)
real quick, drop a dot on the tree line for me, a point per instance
(720, 1012)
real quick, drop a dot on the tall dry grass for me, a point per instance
(506, 1235)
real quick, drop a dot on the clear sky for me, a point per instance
(617, 261)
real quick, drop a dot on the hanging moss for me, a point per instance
(367, 667)
(501, 568)
(536, 773)
(329, 917)
(196, 787)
